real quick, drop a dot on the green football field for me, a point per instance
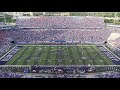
(60, 55)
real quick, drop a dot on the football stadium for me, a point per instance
(60, 44)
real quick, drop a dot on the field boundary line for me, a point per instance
(8, 52)
(112, 52)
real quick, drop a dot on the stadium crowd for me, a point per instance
(36, 36)
(79, 72)
(4, 44)
(10, 75)
(59, 29)
(64, 22)
(60, 72)
(12, 71)
(108, 75)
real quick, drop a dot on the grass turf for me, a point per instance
(60, 55)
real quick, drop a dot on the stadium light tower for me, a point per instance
(115, 16)
(44, 13)
(4, 18)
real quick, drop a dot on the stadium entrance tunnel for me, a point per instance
(3, 62)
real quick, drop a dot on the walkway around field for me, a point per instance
(59, 45)
(58, 65)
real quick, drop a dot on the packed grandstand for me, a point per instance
(60, 31)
